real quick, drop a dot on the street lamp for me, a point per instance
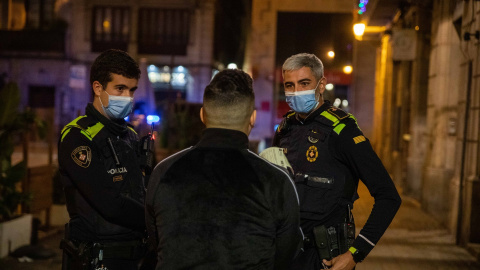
(347, 69)
(358, 29)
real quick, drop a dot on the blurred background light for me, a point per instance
(232, 66)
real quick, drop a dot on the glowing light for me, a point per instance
(152, 119)
(337, 102)
(106, 24)
(331, 54)
(359, 29)
(232, 66)
(347, 69)
(363, 6)
(345, 103)
(417, 28)
(329, 86)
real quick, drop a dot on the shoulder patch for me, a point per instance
(82, 156)
(338, 113)
(359, 139)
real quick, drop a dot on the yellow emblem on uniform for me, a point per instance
(117, 178)
(82, 155)
(359, 139)
(312, 153)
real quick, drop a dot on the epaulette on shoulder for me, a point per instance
(289, 114)
(88, 126)
(284, 126)
(335, 118)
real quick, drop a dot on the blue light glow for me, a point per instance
(363, 6)
(152, 119)
(275, 128)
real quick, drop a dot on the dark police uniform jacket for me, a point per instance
(218, 205)
(105, 198)
(329, 154)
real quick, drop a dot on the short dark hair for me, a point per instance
(113, 61)
(229, 99)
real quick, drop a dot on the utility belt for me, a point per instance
(331, 241)
(90, 255)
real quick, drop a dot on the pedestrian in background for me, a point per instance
(217, 205)
(329, 154)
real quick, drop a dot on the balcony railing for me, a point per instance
(32, 41)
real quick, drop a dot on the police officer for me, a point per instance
(101, 174)
(329, 154)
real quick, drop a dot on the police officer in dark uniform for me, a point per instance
(101, 173)
(329, 154)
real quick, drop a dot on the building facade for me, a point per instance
(427, 105)
(48, 46)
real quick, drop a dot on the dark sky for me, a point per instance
(232, 23)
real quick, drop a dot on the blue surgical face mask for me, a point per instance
(302, 101)
(118, 107)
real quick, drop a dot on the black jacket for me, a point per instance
(105, 201)
(218, 205)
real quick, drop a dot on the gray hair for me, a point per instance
(300, 60)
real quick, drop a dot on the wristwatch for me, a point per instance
(357, 254)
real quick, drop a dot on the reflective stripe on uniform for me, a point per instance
(132, 129)
(90, 132)
(330, 117)
(336, 121)
(339, 128)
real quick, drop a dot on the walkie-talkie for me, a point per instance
(147, 150)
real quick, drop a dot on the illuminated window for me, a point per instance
(169, 83)
(110, 28)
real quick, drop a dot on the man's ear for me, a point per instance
(97, 88)
(321, 87)
(202, 117)
(253, 118)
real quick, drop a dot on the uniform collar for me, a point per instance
(326, 104)
(117, 127)
(223, 138)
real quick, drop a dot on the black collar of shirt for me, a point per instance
(326, 104)
(117, 127)
(223, 138)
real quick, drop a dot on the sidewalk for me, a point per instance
(414, 241)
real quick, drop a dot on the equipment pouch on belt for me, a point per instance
(335, 240)
(89, 255)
